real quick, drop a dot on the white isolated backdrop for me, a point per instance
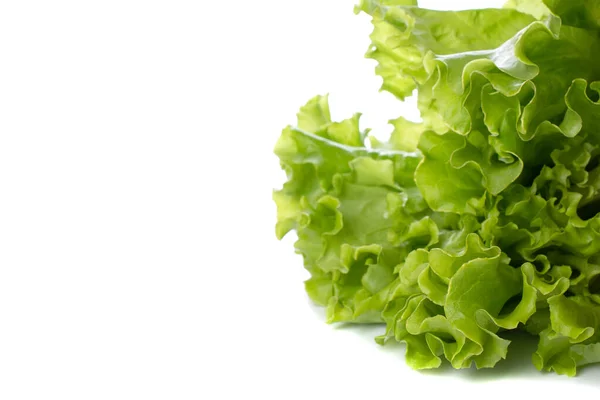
(137, 249)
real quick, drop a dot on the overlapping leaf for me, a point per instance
(491, 221)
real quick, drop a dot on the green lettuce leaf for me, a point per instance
(573, 338)
(357, 212)
(536, 8)
(484, 217)
(578, 13)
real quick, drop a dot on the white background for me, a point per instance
(137, 249)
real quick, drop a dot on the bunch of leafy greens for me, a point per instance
(481, 219)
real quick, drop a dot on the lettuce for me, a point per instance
(356, 212)
(481, 219)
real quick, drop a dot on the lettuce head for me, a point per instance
(481, 219)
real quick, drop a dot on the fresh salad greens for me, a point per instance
(483, 218)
